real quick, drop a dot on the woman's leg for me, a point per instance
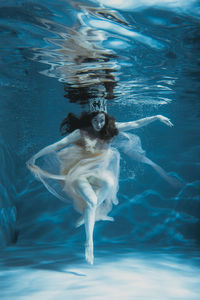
(87, 193)
(102, 186)
(104, 191)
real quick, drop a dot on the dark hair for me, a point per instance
(72, 122)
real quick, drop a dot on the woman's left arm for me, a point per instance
(126, 126)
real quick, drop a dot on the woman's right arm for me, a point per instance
(71, 138)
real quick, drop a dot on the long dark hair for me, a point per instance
(72, 122)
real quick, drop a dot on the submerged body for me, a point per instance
(94, 162)
(89, 171)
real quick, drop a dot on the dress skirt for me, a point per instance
(59, 172)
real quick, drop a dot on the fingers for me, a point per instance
(166, 121)
(30, 162)
(169, 123)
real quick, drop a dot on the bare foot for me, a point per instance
(107, 218)
(89, 256)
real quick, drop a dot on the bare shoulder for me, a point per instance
(119, 124)
(76, 133)
(70, 138)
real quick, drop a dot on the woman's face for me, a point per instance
(98, 122)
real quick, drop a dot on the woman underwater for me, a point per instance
(89, 165)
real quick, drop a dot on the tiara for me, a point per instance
(96, 105)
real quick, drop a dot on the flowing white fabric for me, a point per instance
(92, 160)
(59, 172)
(130, 144)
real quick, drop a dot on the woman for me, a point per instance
(89, 165)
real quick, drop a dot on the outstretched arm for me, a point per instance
(125, 126)
(71, 138)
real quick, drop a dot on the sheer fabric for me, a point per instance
(130, 144)
(92, 160)
(59, 172)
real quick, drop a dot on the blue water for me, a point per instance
(142, 58)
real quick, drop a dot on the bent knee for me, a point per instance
(108, 181)
(86, 192)
(92, 204)
(111, 182)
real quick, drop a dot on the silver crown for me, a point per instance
(98, 105)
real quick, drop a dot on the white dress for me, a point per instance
(88, 158)
(94, 160)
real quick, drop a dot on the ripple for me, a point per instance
(176, 5)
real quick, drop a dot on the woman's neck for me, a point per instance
(91, 133)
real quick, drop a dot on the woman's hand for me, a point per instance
(31, 163)
(32, 167)
(165, 120)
